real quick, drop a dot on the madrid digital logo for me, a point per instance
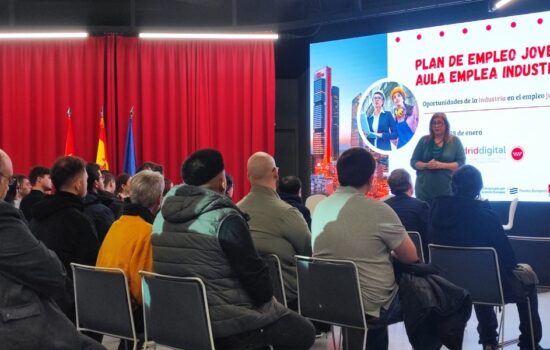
(517, 153)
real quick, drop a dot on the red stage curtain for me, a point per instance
(186, 95)
(39, 81)
(190, 95)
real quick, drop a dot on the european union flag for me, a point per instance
(130, 150)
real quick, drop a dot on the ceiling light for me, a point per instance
(498, 4)
(60, 35)
(210, 36)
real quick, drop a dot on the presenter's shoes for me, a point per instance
(490, 347)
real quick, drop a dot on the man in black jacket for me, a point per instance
(412, 212)
(290, 190)
(198, 222)
(30, 276)
(102, 216)
(462, 220)
(41, 183)
(59, 220)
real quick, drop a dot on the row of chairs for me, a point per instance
(175, 309)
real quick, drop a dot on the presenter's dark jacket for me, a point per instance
(431, 183)
(30, 276)
(386, 126)
(414, 215)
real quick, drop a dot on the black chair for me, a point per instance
(475, 269)
(417, 240)
(175, 312)
(102, 302)
(534, 251)
(329, 292)
(274, 264)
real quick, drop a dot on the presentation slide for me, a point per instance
(491, 78)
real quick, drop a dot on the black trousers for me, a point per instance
(290, 332)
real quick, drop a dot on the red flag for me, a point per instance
(69, 143)
(101, 157)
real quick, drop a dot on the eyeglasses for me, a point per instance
(11, 179)
(437, 122)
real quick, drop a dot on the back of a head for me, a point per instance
(467, 181)
(201, 167)
(108, 177)
(151, 166)
(37, 172)
(355, 167)
(65, 169)
(146, 188)
(289, 185)
(6, 167)
(260, 167)
(399, 181)
(121, 179)
(93, 175)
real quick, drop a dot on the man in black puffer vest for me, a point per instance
(197, 223)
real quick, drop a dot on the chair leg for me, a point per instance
(531, 323)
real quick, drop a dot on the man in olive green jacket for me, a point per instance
(276, 227)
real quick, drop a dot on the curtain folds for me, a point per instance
(186, 95)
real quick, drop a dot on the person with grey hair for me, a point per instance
(31, 276)
(127, 244)
(413, 213)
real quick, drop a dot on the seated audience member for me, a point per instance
(122, 190)
(109, 182)
(151, 166)
(413, 213)
(41, 183)
(23, 189)
(229, 185)
(276, 227)
(108, 196)
(128, 243)
(347, 225)
(30, 277)
(290, 190)
(168, 184)
(102, 216)
(59, 221)
(462, 220)
(198, 222)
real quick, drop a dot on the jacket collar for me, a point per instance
(138, 210)
(264, 191)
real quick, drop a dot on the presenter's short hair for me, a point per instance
(467, 181)
(355, 167)
(201, 167)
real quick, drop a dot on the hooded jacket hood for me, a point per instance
(58, 202)
(189, 202)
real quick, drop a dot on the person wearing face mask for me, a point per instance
(60, 223)
(199, 223)
(435, 158)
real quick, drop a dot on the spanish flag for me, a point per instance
(69, 142)
(101, 158)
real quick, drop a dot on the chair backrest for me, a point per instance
(511, 215)
(472, 268)
(175, 311)
(274, 264)
(329, 291)
(534, 251)
(417, 240)
(313, 200)
(102, 301)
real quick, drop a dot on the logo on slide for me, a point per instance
(513, 190)
(517, 153)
